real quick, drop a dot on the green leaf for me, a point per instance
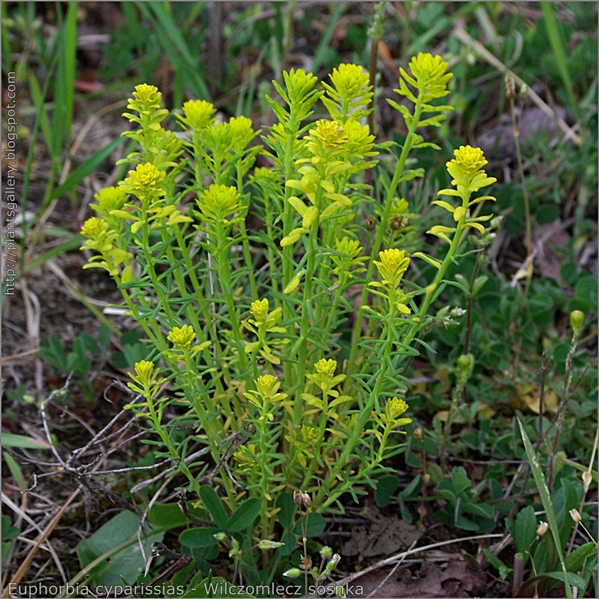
(525, 529)
(123, 566)
(199, 537)
(413, 488)
(214, 505)
(9, 532)
(479, 284)
(290, 541)
(577, 557)
(315, 524)
(15, 470)
(573, 579)
(244, 515)
(286, 509)
(168, 515)
(497, 563)
(411, 174)
(22, 442)
(460, 480)
(385, 487)
(427, 258)
(341, 399)
(312, 400)
(445, 205)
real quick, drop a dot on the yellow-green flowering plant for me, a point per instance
(278, 321)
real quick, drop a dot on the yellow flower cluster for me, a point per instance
(197, 114)
(219, 202)
(182, 337)
(392, 266)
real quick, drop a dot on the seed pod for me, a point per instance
(510, 87)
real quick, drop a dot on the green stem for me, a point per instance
(365, 415)
(319, 441)
(149, 260)
(305, 321)
(224, 275)
(288, 261)
(156, 419)
(357, 331)
(433, 287)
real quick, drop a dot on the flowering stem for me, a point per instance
(156, 419)
(433, 287)
(319, 441)
(341, 463)
(293, 127)
(357, 331)
(149, 260)
(306, 309)
(224, 276)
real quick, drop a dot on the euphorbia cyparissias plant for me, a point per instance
(244, 317)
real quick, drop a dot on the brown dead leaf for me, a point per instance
(383, 535)
(452, 579)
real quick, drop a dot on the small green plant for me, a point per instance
(279, 321)
(78, 362)
(9, 534)
(541, 545)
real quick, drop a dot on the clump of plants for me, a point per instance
(277, 299)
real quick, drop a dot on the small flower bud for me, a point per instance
(326, 552)
(587, 479)
(220, 536)
(523, 91)
(418, 432)
(495, 222)
(332, 564)
(576, 320)
(465, 365)
(442, 313)
(575, 515)
(265, 544)
(542, 528)
(292, 573)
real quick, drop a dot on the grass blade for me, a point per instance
(557, 45)
(323, 45)
(73, 243)
(86, 168)
(64, 95)
(546, 501)
(175, 47)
